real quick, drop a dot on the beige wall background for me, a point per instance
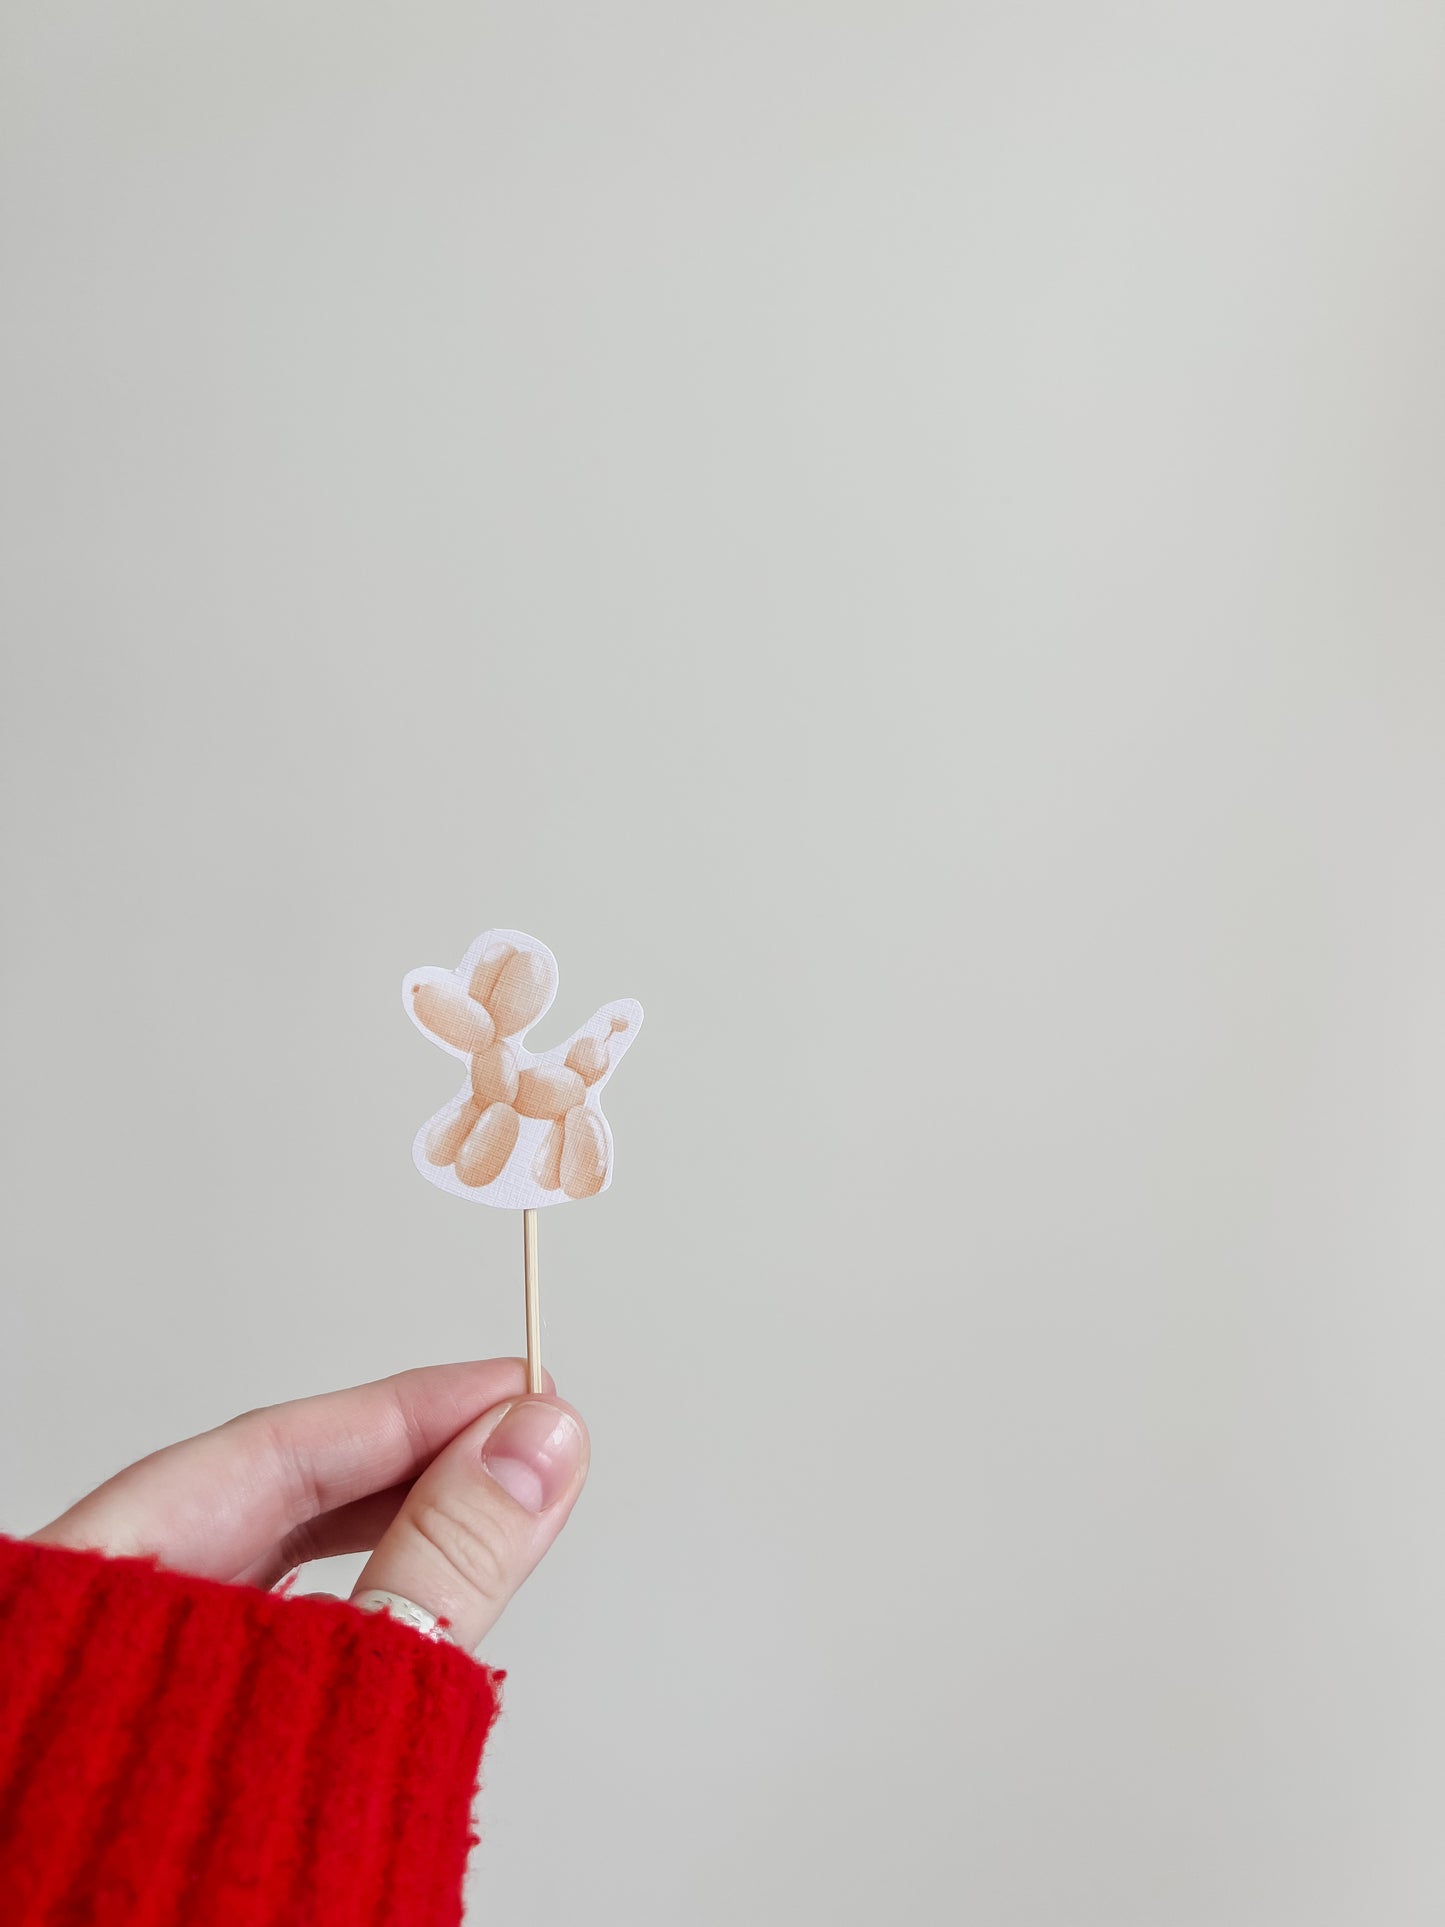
(906, 536)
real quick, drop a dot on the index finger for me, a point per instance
(214, 1504)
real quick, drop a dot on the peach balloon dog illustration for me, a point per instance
(525, 1130)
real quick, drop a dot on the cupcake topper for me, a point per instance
(526, 1129)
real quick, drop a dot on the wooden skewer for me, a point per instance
(534, 1313)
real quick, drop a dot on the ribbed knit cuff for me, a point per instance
(179, 1753)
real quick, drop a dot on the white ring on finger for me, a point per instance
(406, 1611)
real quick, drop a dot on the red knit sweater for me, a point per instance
(179, 1753)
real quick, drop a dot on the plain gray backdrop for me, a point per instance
(908, 537)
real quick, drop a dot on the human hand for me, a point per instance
(451, 1478)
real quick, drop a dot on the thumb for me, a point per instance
(482, 1514)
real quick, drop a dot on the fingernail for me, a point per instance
(533, 1453)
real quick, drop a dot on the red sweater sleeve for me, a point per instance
(179, 1753)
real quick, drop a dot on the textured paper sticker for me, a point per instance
(525, 1129)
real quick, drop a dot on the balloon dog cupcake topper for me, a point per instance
(526, 1129)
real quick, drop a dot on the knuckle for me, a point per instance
(256, 1421)
(300, 1546)
(269, 1452)
(408, 1393)
(470, 1541)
